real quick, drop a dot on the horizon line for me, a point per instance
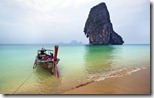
(66, 44)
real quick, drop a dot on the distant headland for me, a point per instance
(98, 27)
(73, 42)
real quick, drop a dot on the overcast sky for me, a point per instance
(51, 21)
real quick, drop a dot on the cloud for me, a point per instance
(67, 17)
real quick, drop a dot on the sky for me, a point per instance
(53, 21)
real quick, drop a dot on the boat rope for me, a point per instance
(23, 83)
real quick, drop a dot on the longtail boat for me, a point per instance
(48, 60)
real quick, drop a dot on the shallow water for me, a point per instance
(78, 63)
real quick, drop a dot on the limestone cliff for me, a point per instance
(98, 27)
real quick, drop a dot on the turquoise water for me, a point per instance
(77, 64)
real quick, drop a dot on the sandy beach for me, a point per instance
(135, 83)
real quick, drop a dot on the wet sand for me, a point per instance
(135, 83)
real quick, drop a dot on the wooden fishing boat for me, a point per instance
(46, 59)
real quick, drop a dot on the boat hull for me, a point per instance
(47, 64)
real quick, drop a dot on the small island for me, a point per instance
(99, 29)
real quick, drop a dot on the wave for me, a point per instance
(111, 74)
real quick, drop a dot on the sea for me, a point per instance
(79, 65)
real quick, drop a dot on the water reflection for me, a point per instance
(44, 75)
(46, 81)
(98, 58)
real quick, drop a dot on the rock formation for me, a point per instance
(98, 27)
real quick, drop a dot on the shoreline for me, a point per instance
(135, 83)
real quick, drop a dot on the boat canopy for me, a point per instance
(45, 51)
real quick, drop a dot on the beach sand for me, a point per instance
(135, 83)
